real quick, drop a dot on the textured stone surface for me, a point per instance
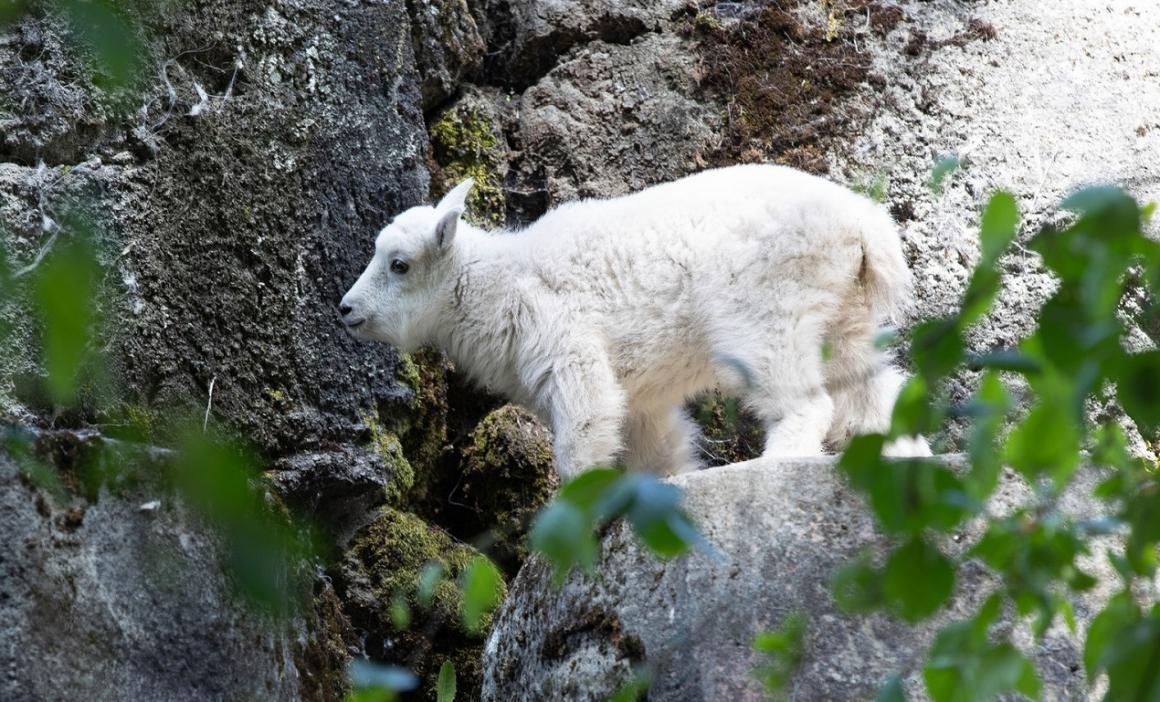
(611, 119)
(507, 477)
(1036, 98)
(530, 36)
(447, 44)
(341, 487)
(381, 568)
(232, 224)
(115, 599)
(781, 529)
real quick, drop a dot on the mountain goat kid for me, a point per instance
(605, 316)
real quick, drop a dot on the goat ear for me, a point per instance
(456, 199)
(449, 210)
(445, 229)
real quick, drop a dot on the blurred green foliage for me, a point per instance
(564, 531)
(782, 649)
(445, 689)
(1077, 349)
(481, 585)
(108, 33)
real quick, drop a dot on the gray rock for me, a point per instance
(342, 487)
(231, 224)
(123, 598)
(782, 529)
(530, 36)
(612, 119)
(972, 98)
(447, 44)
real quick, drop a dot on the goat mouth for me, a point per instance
(356, 324)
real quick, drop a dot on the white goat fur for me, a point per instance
(605, 316)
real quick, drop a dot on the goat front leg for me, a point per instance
(587, 407)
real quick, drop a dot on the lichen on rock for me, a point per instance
(467, 141)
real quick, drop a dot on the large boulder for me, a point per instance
(121, 595)
(781, 529)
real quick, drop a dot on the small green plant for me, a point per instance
(942, 169)
(782, 649)
(564, 531)
(1075, 352)
(445, 690)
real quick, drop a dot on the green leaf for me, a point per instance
(913, 412)
(906, 496)
(445, 688)
(981, 292)
(111, 35)
(11, 10)
(1138, 389)
(999, 227)
(782, 648)
(857, 586)
(481, 585)
(943, 168)
(937, 347)
(635, 689)
(1119, 615)
(966, 666)
(400, 613)
(656, 514)
(982, 443)
(66, 291)
(862, 459)
(1046, 442)
(1125, 642)
(563, 534)
(429, 578)
(917, 580)
(586, 490)
(1006, 360)
(891, 690)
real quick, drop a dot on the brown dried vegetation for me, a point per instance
(782, 80)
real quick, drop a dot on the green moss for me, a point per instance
(508, 476)
(729, 434)
(706, 21)
(875, 186)
(466, 144)
(322, 654)
(383, 565)
(422, 429)
(387, 445)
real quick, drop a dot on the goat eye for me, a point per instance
(399, 266)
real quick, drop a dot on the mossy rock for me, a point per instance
(729, 433)
(322, 652)
(379, 574)
(409, 433)
(507, 477)
(467, 141)
(424, 435)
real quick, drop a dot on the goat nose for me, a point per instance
(344, 309)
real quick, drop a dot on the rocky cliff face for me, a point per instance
(233, 189)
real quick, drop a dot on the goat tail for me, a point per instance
(885, 276)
